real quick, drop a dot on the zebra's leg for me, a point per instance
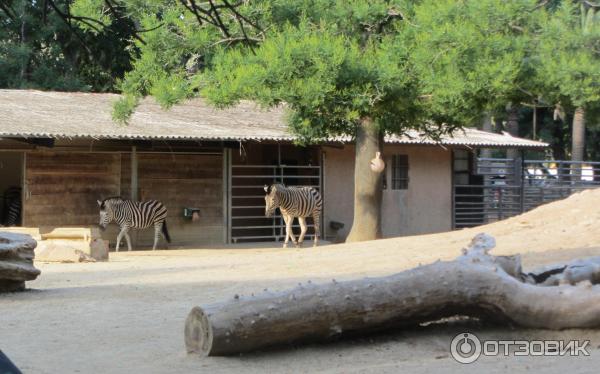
(123, 231)
(128, 239)
(157, 228)
(302, 221)
(287, 230)
(317, 224)
(290, 230)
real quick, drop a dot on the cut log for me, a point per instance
(16, 261)
(476, 284)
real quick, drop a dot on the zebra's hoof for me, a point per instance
(284, 245)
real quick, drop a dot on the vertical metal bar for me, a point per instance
(452, 192)
(500, 205)
(522, 184)
(322, 184)
(230, 191)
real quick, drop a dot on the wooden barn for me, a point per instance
(60, 152)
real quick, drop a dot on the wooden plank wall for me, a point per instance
(62, 188)
(179, 181)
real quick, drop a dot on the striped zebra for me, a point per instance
(294, 202)
(12, 207)
(134, 215)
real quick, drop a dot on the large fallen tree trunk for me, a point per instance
(476, 284)
(16, 261)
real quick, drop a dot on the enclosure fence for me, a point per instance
(511, 187)
(247, 208)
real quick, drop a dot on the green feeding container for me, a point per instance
(189, 212)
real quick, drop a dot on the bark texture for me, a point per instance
(512, 126)
(16, 261)
(476, 284)
(486, 125)
(366, 224)
(578, 142)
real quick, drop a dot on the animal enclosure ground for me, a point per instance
(127, 315)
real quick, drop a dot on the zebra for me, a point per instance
(12, 207)
(137, 215)
(294, 202)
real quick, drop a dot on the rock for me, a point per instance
(63, 251)
(16, 261)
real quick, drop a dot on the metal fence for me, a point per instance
(247, 207)
(510, 187)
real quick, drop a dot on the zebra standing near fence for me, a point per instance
(294, 202)
(11, 215)
(134, 215)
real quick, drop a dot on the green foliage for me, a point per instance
(124, 108)
(430, 64)
(41, 49)
(474, 56)
(569, 56)
(94, 12)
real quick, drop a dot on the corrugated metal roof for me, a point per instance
(38, 114)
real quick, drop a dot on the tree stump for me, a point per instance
(16, 261)
(476, 284)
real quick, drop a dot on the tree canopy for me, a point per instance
(42, 47)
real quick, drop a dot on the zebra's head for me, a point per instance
(106, 213)
(271, 200)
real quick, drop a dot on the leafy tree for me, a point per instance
(477, 57)
(569, 64)
(340, 67)
(40, 47)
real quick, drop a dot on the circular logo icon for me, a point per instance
(465, 348)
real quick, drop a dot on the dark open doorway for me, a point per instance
(11, 188)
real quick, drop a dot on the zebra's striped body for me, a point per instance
(12, 207)
(134, 215)
(294, 202)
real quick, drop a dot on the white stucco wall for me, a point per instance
(425, 207)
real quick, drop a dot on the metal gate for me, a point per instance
(247, 221)
(510, 187)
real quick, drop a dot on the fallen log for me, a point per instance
(476, 284)
(16, 261)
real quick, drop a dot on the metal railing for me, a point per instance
(512, 187)
(247, 207)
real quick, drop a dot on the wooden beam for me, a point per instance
(134, 174)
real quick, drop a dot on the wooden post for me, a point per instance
(226, 195)
(134, 174)
(134, 189)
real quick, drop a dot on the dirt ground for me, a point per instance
(127, 315)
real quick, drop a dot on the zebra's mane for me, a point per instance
(111, 198)
(277, 184)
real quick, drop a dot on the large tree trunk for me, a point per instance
(367, 184)
(476, 284)
(512, 127)
(486, 125)
(578, 142)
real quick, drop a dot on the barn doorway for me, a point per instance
(11, 188)
(251, 168)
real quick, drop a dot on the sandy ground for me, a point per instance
(127, 315)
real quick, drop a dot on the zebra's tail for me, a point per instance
(165, 232)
